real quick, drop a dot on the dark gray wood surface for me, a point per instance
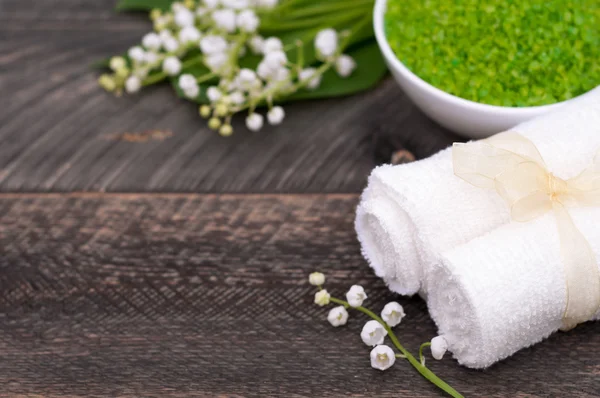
(57, 126)
(160, 295)
(183, 295)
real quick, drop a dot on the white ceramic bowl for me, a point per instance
(462, 116)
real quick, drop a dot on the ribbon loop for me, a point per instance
(512, 165)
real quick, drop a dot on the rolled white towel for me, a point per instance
(410, 214)
(506, 290)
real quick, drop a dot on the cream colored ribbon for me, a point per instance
(513, 166)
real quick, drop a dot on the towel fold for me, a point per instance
(410, 214)
(506, 290)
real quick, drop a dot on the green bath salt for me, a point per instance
(500, 52)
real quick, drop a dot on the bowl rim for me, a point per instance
(395, 63)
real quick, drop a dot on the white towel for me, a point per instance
(506, 290)
(410, 214)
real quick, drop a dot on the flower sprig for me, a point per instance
(202, 43)
(378, 328)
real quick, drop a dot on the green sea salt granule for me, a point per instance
(500, 52)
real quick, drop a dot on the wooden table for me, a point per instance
(175, 265)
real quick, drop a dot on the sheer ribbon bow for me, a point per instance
(513, 166)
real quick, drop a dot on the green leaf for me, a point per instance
(144, 5)
(370, 70)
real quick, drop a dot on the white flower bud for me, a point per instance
(213, 44)
(382, 357)
(236, 4)
(184, 17)
(257, 44)
(150, 57)
(152, 41)
(322, 296)
(373, 333)
(275, 116)
(161, 22)
(254, 122)
(136, 53)
(392, 313)
(316, 278)
(117, 63)
(326, 43)
(215, 62)
(133, 84)
(107, 82)
(237, 98)
(280, 75)
(177, 6)
(226, 130)
(192, 92)
(439, 346)
(247, 21)
(211, 3)
(171, 44)
(264, 71)
(201, 11)
(224, 19)
(189, 34)
(345, 65)
(246, 78)
(338, 316)
(171, 66)
(187, 81)
(356, 295)
(275, 59)
(310, 75)
(272, 44)
(213, 94)
(164, 35)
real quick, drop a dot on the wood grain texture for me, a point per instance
(205, 295)
(55, 119)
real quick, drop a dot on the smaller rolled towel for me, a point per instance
(410, 214)
(506, 290)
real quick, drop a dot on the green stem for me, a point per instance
(426, 373)
(162, 75)
(421, 357)
(205, 78)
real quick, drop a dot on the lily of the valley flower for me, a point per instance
(171, 66)
(345, 65)
(223, 31)
(275, 116)
(373, 333)
(392, 313)
(326, 43)
(133, 84)
(310, 76)
(254, 121)
(382, 357)
(337, 316)
(189, 86)
(152, 41)
(322, 297)
(316, 279)
(356, 295)
(439, 346)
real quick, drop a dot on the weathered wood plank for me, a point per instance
(205, 295)
(55, 120)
